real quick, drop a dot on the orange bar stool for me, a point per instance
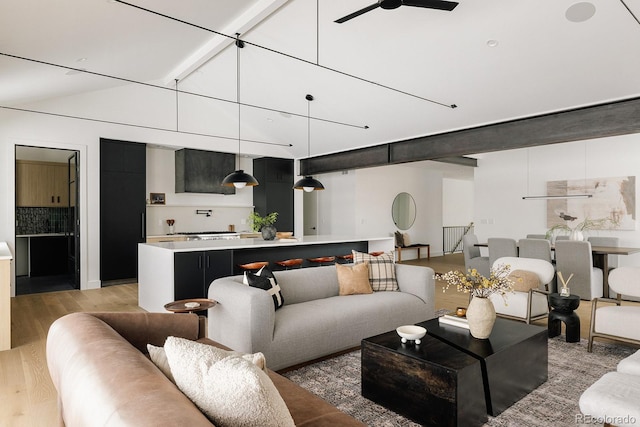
(322, 260)
(345, 258)
(290, 263)
(253, 266)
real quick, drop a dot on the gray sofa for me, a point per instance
(314, 320)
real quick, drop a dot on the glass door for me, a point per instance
(72, 230)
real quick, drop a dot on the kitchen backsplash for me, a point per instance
(41, 220)
(188, 220)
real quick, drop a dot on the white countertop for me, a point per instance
(5, 253)
(207, 245)
(42, 235)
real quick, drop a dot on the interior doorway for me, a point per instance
(310, 216)
(47, 219)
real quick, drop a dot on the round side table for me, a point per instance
(189, 305)
(562, 310)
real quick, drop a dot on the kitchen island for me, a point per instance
(170, 271)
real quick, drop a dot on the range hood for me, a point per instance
(200, 171)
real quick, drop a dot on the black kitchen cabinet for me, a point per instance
(275, 192)
(122, 208)
(48, 255)
(194, 272)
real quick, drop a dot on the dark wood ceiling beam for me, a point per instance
(611, 119)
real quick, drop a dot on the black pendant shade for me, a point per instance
(308, 184)
(239, 179)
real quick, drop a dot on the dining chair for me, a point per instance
(617, 322)
(472, 256)
(528, 302)
(607, 241)
(537, 236)
(574, 257)
(501, 247)
(535, 248)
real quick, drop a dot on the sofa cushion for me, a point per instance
(524, 280)
(230, 391)
(382, 272)
(264, 279)
(354, 279)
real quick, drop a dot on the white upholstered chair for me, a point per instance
(472, 255)
(617, 322)
(574, 257)
(532, 304)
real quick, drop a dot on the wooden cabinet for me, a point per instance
(194, 272)
(41, 184)
(159, 239)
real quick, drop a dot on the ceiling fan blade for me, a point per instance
(358, 13)
(431, 4)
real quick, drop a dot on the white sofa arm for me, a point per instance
(417, 280)
(244, 317)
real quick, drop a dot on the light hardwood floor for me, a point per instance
(27, 396)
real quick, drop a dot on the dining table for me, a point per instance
(600, 255)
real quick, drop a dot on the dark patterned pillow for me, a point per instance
(264, 279)
(382, 270)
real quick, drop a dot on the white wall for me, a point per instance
(359, 203)
(503, 178)
(457, 202)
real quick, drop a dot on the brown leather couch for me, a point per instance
(98, 364)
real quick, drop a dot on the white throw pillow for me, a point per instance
(230, 391)
(159, 358)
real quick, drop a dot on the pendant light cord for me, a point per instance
(238, 47)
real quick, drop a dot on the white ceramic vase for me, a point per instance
(576, 235)
(481, 316)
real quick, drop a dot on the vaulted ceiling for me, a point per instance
(397, 72)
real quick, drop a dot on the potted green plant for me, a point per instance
(264, 224)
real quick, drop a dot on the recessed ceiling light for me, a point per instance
(269, 119)
(285, 115)
(580, 12)
(492, 43)
(81, 59)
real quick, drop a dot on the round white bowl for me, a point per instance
(411, 332)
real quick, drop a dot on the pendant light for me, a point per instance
(307, 183)
(239, 178)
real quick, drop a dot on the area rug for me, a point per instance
(571, 370)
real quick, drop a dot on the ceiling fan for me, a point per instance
(394, 4)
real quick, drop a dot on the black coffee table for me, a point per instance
(433, 383)
(513, 359)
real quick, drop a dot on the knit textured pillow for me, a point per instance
(230, 391)
(382, 270)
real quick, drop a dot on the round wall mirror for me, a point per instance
(403, 211)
